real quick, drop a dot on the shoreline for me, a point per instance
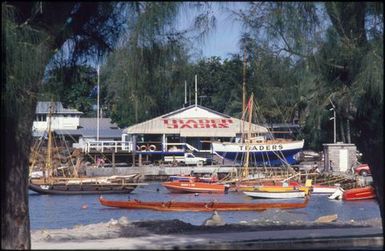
(176, 234)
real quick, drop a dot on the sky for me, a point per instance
(223, 40)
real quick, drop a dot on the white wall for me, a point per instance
(61, 122)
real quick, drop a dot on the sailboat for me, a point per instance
(259, 149)
(249, 150)
(62, 185)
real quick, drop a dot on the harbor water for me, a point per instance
(67, 211)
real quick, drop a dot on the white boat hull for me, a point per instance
(324, 190)
(271, 154)
(276, 195)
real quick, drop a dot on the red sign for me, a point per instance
(197, 123)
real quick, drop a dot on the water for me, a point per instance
(58, 211)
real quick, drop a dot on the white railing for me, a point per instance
(102, 146)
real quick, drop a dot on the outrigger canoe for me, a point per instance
(199, 206)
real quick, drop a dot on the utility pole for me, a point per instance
(333, 118)
(244, 82)
(185, 94)
(196, 90)
(97, 110)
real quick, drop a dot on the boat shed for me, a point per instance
(192, 127)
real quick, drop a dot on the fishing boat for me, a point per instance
(276, 195)
(48, 183)
(178, 186)
(361, 193)
(199, 206)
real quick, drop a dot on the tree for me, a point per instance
(32, 33)
(74, 86)
(338, 48)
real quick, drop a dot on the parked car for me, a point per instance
(362, 169)
(187, 159)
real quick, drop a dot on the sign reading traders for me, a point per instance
(197, 123)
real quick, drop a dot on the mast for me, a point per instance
(244, 82)
(48, 163)
(245, 173)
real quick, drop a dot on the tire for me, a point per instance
(364, 173)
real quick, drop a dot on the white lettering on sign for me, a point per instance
(262, 147)
(197, 123)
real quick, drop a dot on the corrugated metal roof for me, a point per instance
(43, 108)
(89, 126)
(214, 124)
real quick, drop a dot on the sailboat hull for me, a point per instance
(270, 154)
(81, 189)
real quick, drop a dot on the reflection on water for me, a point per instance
(58, 211)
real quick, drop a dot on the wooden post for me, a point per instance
(113, 163)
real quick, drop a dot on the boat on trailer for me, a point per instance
(199, 206)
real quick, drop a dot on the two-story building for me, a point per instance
(61, 118)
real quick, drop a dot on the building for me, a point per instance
(88, 132)
(340, 157)
(67, 123)
(189, 128)
(61, 118)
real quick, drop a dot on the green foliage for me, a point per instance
(73, 86)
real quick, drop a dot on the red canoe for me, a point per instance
(361, 193)
(199, 206)
(194, 187)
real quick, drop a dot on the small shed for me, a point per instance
(339, 157)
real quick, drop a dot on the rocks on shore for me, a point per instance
(326, 218)
(214, 220)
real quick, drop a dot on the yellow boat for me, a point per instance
(276, 189)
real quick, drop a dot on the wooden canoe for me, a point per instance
(194, 187)
(361, 193)
(199, 206)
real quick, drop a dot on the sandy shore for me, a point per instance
(175, 234)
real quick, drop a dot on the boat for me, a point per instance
(322, 189)
(49, 181)
(178, 186)
(261, 149)
(277, 189)
(85, 185)
(181, 178)
(262, 152)
(361, 193)
(199, 206)
(276, 195)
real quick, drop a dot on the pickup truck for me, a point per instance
(187, 159)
